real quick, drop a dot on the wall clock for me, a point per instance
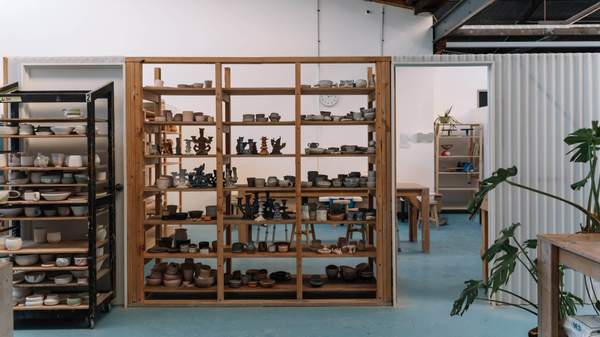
(328, 100)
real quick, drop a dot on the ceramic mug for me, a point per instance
(31, 196)
(188, 116)
(8, 194)
(58, 159)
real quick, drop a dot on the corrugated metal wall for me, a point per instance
(536, 100)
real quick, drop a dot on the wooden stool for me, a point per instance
(435, 208)
(362, 229)
(308, 229)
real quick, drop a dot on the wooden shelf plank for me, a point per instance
(174, 91)
(338, 286)
(100, 299)
(49, 285)
(40, 268)
(370, 252)
(255, 91)
(337, 123)
(44, 169)
(182, 156)
(49, 120)
(47, 136)
(194, 289)
(210, 255)
(159, 221)
(458, 188)
(245, 188)
(63, 247)
(338, 91)
(290, 254)
(333, 155)
(179, 189)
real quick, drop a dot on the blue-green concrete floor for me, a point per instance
(427, 285)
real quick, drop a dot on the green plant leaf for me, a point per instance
(597, 305)
(467, 296)
(487, 185)
(585, 142)
(568, 304)
(531, 243)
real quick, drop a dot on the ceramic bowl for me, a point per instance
(50, 179)
(204, 282)
(9, 130)
(63, 261)
(73, 301)
(172, 283)
(348, 273)
(55, 196)
(20, 293)
(325, 83)
(35, 277)
(153, 281)
(79, 273)
(11, 212)
(81, 178)
(181, 216)
(332, 271)
(80, 261)
(26, 260)
(50, 212)
(53, 237)
(306, 184)
(323, 183)
(266, 283)
(63, 279)
(235, 283)
(13, 243)
(195, 214)
(62, 130)
(315, 281)
(79, 210)
(283, 247)
(280, 276)
(51, 300)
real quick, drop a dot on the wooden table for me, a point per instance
(410, 193)
(580, 252)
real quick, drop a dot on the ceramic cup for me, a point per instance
(57, 159)
(31, 196)
(64, 210)
(208, 84)
(188, 116)
(36, 177)
(39, 235)
(74, 161)
(33, 212)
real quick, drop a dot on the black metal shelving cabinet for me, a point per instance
(11, 95)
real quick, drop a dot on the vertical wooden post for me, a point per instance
(135, 182)
(548, 289)
(228, 165)
(219, 160)
(380, 176)
(298, 161)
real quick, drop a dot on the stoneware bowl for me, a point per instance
(172, 283)
(26, 260)
(35, 277)
(332, 271)
(13, 243)
(204, 282)
(63, 279)
(80, 261)
(153, 281)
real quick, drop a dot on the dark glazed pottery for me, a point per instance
(332, 271)
(315, 281)
(195, 214)
(280, 276)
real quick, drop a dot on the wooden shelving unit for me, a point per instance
(98, 197)
(145, 224)
(455, 183)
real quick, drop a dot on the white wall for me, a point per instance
(225, 28)
(423, 93)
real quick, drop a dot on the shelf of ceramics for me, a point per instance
(340, 154)
(45, 218)
(339, 286)
(194, 289)
(338, 91)
(100, 299)
(180, 189)
(49, 120)
(283, 155)
(210, 255)
(50, 185)
(337, 123)
(159, 221)
(183, 156)
(245, 188)
(153, 123)
(281, 287)
(240, 221)
(280, 123)
(334, 191)
(174, 91)
(77, 201)
(72, 284)
(369, 252)
(54, 268)
(63, 247)
(245, 255)
(62, 168)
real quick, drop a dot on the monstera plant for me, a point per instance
(507, 251)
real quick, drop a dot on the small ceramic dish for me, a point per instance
(266, 283)
(316, 281)
(80, 261)
(235, 283)
(174, 283)
(63, 261)
(63, 279)
(73, 301)
(51, 300)
(153, 281)
(62, 130)
(55, 196)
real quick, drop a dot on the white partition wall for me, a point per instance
(536, 100)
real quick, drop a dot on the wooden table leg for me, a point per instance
(412, 222)
(548, 289)
(425, 220)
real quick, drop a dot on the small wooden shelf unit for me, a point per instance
(455, 185)
(144, 226)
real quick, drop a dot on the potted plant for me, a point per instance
(507, 252)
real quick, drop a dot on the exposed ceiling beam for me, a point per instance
(528, 30)
(523, 44)
(457, 16)
(578, 16)
(395, 3)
